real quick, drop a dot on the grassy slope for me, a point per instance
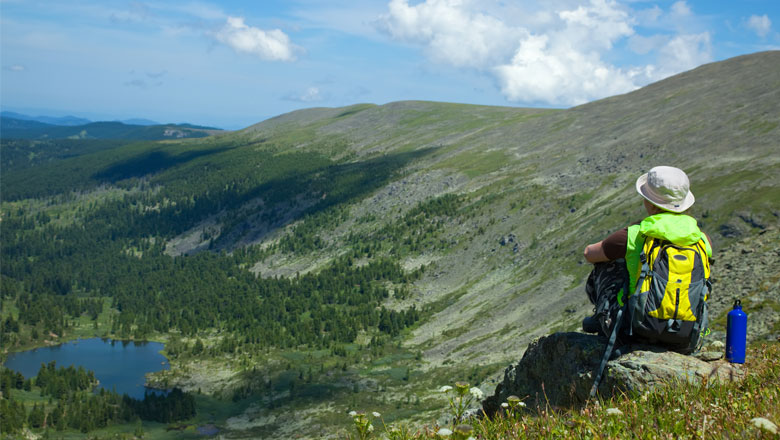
(559, 178)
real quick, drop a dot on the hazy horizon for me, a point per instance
(234, 63)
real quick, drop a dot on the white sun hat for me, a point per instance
(667, 188)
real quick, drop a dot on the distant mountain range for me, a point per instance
(19, 126)
(71, 120)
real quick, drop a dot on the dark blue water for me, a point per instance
(117, 364)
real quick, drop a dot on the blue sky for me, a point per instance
(235, 63)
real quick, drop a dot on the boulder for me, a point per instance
(559, 370)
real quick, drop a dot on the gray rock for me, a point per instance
(559, 369)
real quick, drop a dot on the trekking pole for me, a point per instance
(607, 354)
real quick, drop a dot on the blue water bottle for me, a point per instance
(736, 334)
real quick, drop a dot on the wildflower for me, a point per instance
(370, 428)
(353, 413)
(461, 387)
(614, 412)
(445, 388)
(376, 414)
(444, 432)
(504, 405)
(514, 401)
(476, 392)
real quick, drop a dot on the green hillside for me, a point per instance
(329, 259)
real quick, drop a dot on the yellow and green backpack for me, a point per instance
(669, 305)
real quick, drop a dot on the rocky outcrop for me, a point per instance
(748, 270)
(559, 370)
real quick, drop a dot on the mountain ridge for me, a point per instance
(16, 128)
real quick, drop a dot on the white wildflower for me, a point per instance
(521, 404)
(504, 405)
(445, 388)
(370, 428)
(614, 412)
(765, 424)
(376, 414)
(444, 432)
(353, 413)
(477, 393)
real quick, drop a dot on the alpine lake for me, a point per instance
(118, 365)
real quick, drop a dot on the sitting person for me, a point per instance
(619, 267)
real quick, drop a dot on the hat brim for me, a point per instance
(641, 188)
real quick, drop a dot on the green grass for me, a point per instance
(708, 410)
(476, 164)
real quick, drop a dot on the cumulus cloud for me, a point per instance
(270, 45)
(543, 71)
(452, 33)
(760, 24)
(558, 53)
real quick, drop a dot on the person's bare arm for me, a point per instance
(594, 253)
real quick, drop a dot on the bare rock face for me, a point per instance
(559, 369)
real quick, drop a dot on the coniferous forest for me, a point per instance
(84, 237)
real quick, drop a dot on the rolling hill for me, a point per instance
(17, 128)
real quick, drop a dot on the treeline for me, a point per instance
(55, 272)
(63, 263)
(74, 406)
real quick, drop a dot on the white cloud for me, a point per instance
(760, 24)
(271, 45)
(649, 15)
(452, 33)
(312, 94)
(16, 68)
(681, 9)
(600, 23)
(540, 71)
(555, 52)
(684, 52)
